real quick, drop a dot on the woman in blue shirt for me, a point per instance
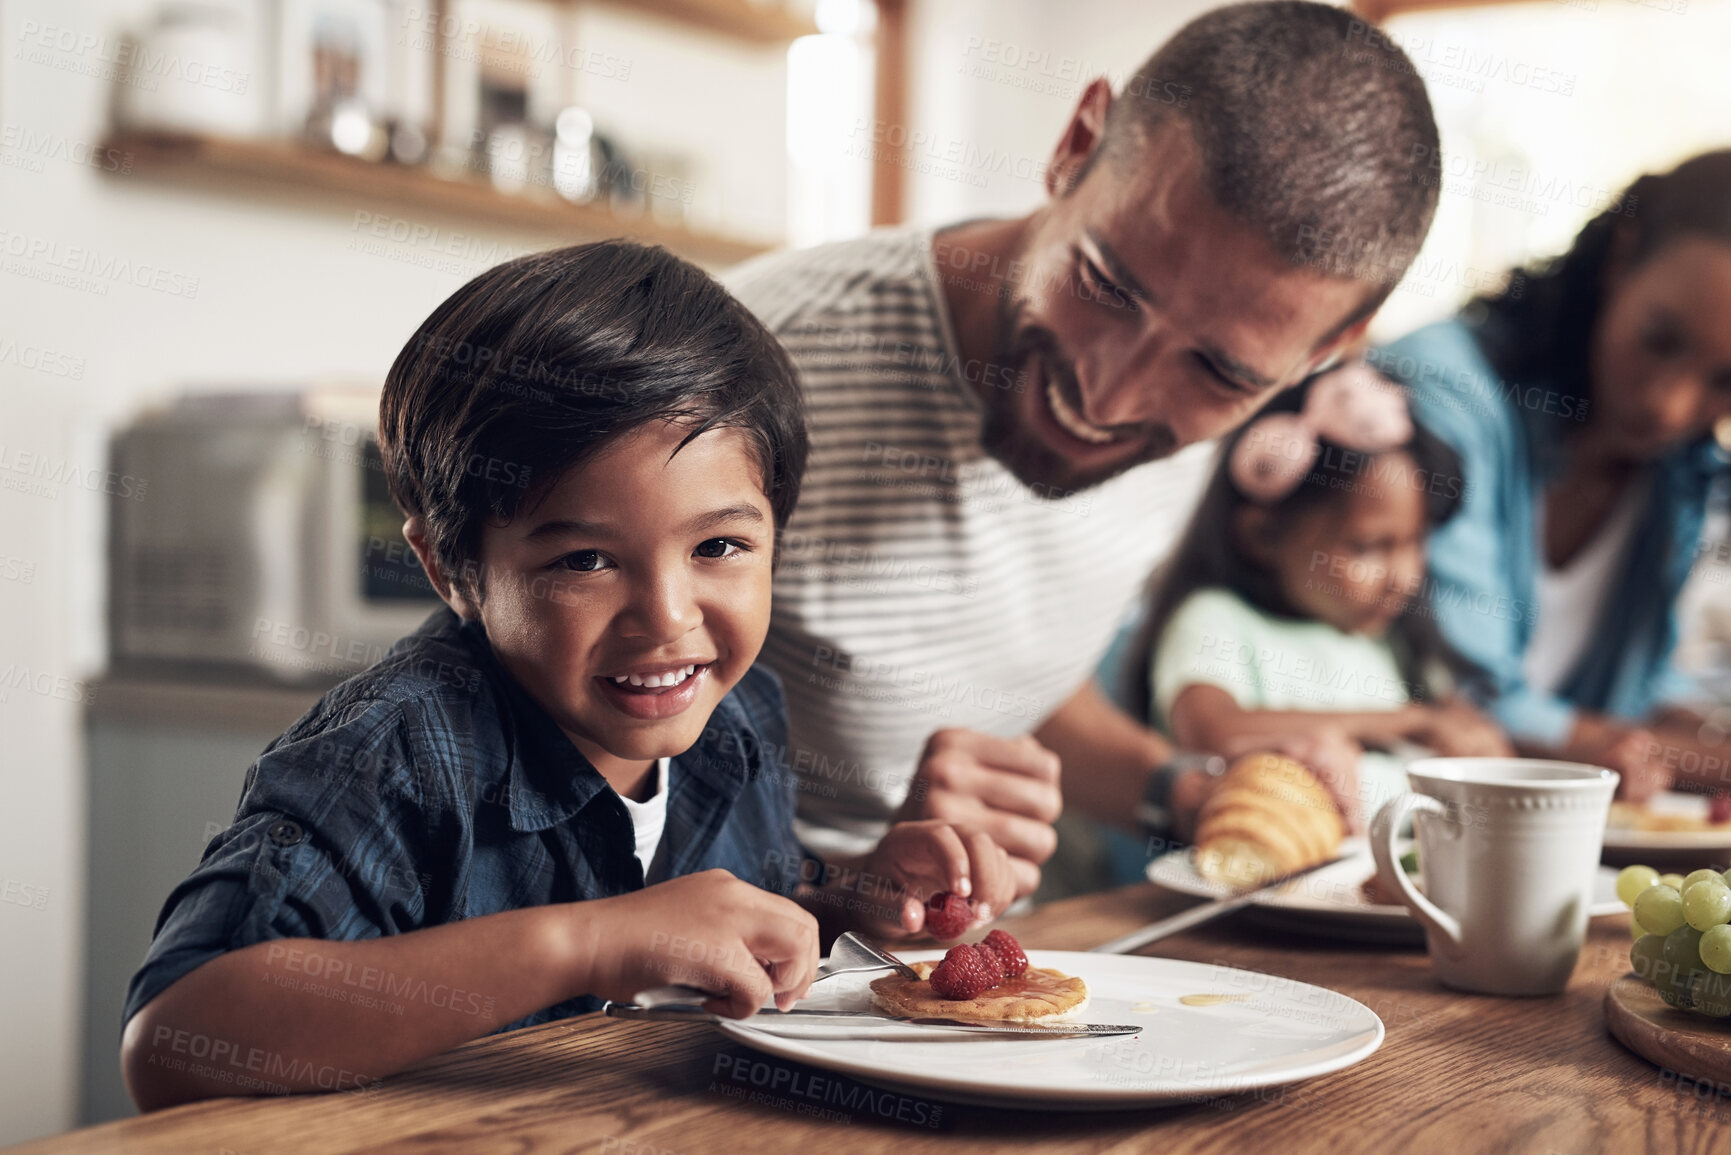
(1582, 400)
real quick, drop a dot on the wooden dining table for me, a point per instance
(1457, 1073)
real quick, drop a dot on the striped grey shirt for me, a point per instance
(921, 584)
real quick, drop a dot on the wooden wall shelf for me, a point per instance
(763, 23)
(253, 166)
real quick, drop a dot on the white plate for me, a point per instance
(1332, 901)
(1273, 1031)
(1670, 802)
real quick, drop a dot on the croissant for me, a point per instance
(1267, 817)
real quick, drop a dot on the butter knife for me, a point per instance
(690, 1013)
(1202, 913)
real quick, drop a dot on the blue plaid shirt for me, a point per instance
(431, 788)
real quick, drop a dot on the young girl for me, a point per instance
(1288, 618)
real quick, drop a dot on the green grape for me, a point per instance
(1659, 909)
(1647, 957)
(1710, 994)
(1632, 880)
(1701, 875)
(1707, 903)
(1675, 988)
(1715, 948)
(1683, 949)
(1674, 881)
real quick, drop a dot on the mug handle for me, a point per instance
(1382, 831)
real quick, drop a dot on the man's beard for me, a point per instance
(1020, 449)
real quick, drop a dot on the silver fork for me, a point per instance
(849, 954)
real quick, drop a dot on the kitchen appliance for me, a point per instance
(260, 535)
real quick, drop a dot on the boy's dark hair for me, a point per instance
(1539, 327)
(537, 364)
(1314, 127)
(1209, 554)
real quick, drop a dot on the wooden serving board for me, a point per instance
(1681, 1041)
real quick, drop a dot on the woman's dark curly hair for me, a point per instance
(1539, 327)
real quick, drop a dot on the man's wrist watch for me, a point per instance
(1155, 810)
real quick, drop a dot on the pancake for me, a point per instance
(1628, 816)
(1039, 995)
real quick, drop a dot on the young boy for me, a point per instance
(596, 449)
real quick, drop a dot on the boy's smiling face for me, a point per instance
(636, 594)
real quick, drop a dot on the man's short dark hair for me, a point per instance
(537, 364)
(1314, 129)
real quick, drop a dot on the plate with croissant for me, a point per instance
(1270, 816)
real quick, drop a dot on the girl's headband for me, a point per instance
(1353, 406)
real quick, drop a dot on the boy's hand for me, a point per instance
(1006, 787)
(710, 930)
(926, 858)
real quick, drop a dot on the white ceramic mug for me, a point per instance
(1508, 848)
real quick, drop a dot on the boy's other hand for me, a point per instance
(1005, 787)
(930, 857)
(710, 930)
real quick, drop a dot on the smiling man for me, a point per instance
(1000, 412)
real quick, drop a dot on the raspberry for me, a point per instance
(965, 973)
(948, 915)
(994, 964)
(1007, 951)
